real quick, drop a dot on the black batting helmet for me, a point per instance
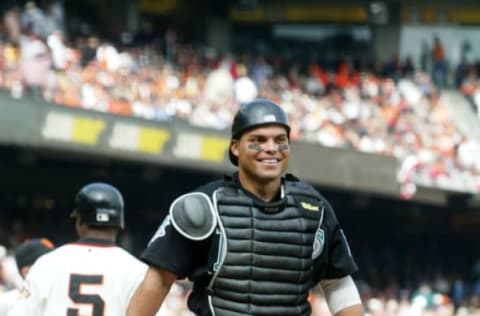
(257, 113)
(29, 251)
(100, 204)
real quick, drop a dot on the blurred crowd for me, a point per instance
(389, 108)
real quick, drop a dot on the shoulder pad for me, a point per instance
(299, 187)
(193, 215)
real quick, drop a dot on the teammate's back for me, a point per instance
(88, 277)
(92, 276)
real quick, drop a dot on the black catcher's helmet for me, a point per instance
(256, 113)
(100, 204)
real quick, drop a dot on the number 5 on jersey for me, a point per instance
(74, 291)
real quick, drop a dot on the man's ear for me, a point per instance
(24, 271)
(80, 226)
(234, 144)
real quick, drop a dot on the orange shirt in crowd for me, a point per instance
(319, 73)
(120, 106)
(437, 52)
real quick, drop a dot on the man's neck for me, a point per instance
(108, 235)
(265, 191)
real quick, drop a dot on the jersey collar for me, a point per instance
(95, 242)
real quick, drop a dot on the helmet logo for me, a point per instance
(102, 215)
(269, 118)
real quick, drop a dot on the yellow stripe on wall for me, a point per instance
(353, 14)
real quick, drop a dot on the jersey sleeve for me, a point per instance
(336, 260)
(132, 280)
(169, 250)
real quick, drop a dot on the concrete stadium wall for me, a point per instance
(40, 125)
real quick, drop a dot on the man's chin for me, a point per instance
(269, 175)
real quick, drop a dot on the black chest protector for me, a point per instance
(267, 251)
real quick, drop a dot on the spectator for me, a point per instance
(89, 51)
(58, 49)
(35, 63)
(245, 88)
(439, 64)
(33, 19)
(11, 21)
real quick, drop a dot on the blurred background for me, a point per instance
(383, 99)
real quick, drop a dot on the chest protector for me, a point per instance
(267, 251)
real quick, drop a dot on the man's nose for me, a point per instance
(270, 146)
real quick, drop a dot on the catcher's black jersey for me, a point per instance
(195, 260)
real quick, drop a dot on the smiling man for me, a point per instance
(254, 243)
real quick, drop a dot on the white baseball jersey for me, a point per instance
(7, 301)
(85, 278)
